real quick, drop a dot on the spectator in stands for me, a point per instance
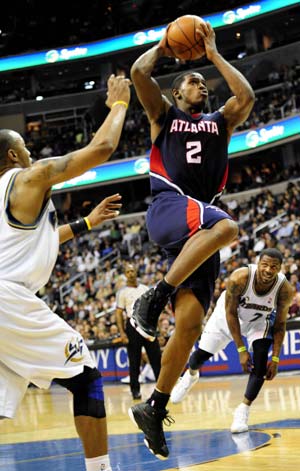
(294, 310)
(285, 230)
(46, 151)
(294, 280)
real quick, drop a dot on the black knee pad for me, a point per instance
(87, 389)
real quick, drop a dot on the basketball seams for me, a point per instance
(184, 43)
(183, 33)
(195, 39)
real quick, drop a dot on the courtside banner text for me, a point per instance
(113, 362)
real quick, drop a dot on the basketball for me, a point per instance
(182, 40)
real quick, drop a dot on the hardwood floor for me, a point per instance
(200, 439)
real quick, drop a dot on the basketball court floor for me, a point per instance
(43, 437)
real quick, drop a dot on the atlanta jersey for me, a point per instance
(190, 155)
(27, 252)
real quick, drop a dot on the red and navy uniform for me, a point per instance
(190, 155)
(188, 171)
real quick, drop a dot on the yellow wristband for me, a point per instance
(242, 349)
(88, 223)
(120, 102)
(275, 359)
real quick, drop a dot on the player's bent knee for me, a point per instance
(87, 390)
(226, 231)
(231, 229)
(89, 401)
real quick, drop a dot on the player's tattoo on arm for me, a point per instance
(284, 300)
(285, 295)
(57, 166)
(46, 169)
(234, 289)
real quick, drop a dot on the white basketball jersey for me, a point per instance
(127, 296)
(258, 307)
(27, 252)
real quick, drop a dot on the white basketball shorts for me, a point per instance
(216, 334)
(36, 346)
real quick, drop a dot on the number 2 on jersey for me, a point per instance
(193, 149)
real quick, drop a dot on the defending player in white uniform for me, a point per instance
(37, 346)
(29, 330)
(254, 306)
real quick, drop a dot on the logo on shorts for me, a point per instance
(218, 210)
(73, 350)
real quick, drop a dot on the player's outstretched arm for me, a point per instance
(239, 106)
(47, 172)
(104, 211)
(32, 185)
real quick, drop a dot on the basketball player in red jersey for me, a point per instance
(188, 171)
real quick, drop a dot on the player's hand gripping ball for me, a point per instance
(183, 40)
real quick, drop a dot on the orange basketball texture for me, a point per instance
(181, 37)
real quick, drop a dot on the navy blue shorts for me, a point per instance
(172, 219)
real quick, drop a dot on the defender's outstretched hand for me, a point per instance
(107, 209)
(118, 89)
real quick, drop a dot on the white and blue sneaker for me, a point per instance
(183, 386)
(240, 419)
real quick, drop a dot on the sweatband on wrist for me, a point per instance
(88, 223)
(120, 102)
(242, 349)
(79, 226)
(275, 359)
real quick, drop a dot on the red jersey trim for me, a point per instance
(224, 179)
(193, 216)
(156, 163)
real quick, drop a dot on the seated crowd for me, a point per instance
(45, 141)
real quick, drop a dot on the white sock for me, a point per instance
(100, 463)
(193, 372)
(243, 406)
